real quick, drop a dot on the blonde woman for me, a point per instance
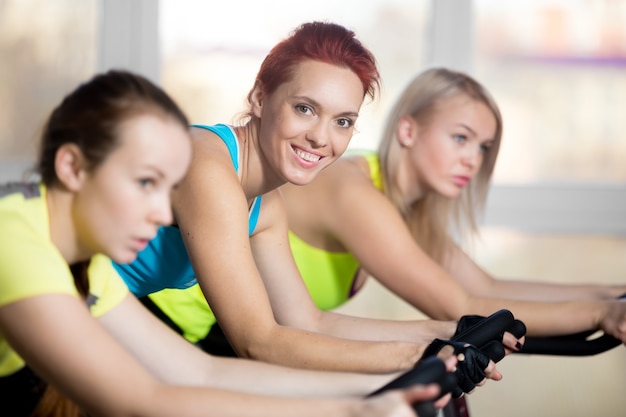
(394, 215)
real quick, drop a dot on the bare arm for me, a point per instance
(85, 363)
(175, 361)
(280, 275)
(211, 211)
(478, 282)
(291, 300)
(386, 249)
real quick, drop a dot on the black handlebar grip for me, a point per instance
(427, 408)
(433, 370)
(517, 329)
(577, 344)
(494, 350)
(428, 371)
(491, 329)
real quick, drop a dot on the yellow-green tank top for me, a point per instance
(329, 276)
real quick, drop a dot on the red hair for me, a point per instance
(319, 41)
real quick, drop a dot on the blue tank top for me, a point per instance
(164, 263)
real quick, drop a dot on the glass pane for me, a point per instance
(46, 48)
(210, 60)
(558, 71)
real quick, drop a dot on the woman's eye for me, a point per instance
(304, 109)
(460, 138)
(345, 123)
(146, 182)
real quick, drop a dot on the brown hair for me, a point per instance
(432, 218)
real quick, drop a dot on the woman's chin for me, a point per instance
(123, 257)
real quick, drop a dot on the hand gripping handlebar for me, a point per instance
(578, 344)
(432, 370)
(427, 371)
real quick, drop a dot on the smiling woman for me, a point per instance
(230, 244)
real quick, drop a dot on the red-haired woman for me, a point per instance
(73, 341)
(230, 232)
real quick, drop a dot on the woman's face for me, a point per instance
(124, 200)
(307, 123)
(449, 148)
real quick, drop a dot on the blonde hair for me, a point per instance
(433, 219)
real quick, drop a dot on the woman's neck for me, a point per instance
(62, 229)
(255, 171)
(410, 187)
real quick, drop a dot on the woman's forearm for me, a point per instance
(541, 291)
(312, 350)
(359, 328)
(251, 376)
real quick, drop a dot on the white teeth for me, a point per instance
(307, 156)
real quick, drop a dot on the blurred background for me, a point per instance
(557, 68)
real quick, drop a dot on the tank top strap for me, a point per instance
(227, 134)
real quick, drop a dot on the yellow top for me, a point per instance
(329, 276)
(30, 264)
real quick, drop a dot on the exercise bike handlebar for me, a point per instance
(432, 370)
(427, 371)
(577, 344)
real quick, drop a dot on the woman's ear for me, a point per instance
(70, 166)
(257, 99)
(406, 131)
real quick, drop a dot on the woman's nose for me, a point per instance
(318, 135)
(472, 156)
(162, 211)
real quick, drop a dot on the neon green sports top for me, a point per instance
(329, 277)
(31, 265)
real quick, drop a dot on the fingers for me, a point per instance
(451, 361)
(512, 343)
(473, 366)
(443, 401)
(492, 372)
(420, 393)
(473, 369)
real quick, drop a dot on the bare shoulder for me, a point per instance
(208, 146)
(345, 173)
(210, 174)
(211, 162)
(331, 195)
(348, 176)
